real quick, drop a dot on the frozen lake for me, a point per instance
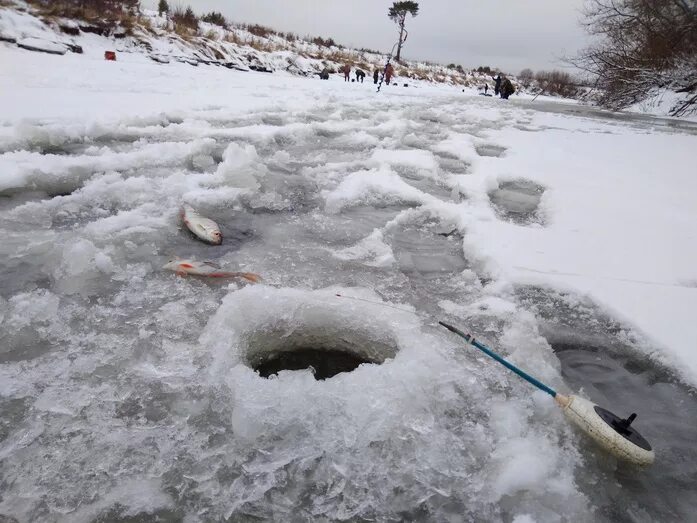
(552, 231)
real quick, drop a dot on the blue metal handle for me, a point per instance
(486, 350)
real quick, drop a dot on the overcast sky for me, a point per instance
(510, 34)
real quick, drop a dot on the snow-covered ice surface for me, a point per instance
(563, 236)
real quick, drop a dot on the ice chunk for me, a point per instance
(373, 251)
(421, 160)
(60, 173)
(81, 265)
(379, 187)
(254, 323)
(241, 167)
(28, 308)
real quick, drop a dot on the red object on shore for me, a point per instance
(110, 55)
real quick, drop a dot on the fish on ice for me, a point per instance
(203, 228)
(207, 269)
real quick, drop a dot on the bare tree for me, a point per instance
(640, 45)
(525, 77)
(398, 14)
(556, 82)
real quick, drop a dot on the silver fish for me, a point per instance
(203, 228)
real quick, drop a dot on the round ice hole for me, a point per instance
(273, 330)
(327, 350)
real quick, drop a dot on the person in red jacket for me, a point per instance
(389, 72)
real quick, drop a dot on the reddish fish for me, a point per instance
(207, 269)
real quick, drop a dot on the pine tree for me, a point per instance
(216, 18)
(163, 7)
(398, 14)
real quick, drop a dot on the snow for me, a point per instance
(619, 224)
(36, 44)
(414, 205)
(18, 25)
(374, 187)
(664, 101)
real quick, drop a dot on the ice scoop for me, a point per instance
(613, 433)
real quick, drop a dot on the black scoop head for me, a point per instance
(623, 427)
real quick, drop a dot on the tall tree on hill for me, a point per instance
(398, 14)
(163, 7)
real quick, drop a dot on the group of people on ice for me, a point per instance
(502, 86)
(360, 74)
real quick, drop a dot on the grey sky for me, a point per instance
(511, 34)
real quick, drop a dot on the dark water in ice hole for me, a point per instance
(597, 358)
(667, 418)
(325, 363)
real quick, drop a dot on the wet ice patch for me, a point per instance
(563, 312)
(276, 120)
(427, 251)
(353, 224)
(451, 163)
(24, 256)
(458, 145)
(487, 149)
(517, 200)
(32, 321)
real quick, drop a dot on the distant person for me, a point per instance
(376, 75)
(389, 71)
(347, 72)
(360, 75)
(486, 88)
(507, 89)
(497, 84)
